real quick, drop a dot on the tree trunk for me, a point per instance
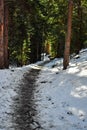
(1, 34)
(79, 44)
(60, 49)
(68, 35)
(6, 57)
(34, 49)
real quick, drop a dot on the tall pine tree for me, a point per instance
(68, 35)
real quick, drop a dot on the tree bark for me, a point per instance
(6, 57)
(79, 43)
(1, 34)
(68, 35)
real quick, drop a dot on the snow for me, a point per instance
(9, 82)
(60, 97)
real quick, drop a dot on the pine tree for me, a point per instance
(6, 57)
(1, 34)
(68, 35)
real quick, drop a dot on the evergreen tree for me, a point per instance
(3, 35)
(68, 35)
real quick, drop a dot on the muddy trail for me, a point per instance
(24, 108)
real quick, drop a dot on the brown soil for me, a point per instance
(24, 107)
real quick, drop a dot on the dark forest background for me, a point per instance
(39, 26)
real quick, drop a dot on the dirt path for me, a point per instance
(24, 109)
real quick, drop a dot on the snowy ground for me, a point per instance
(9, 84)
(61, 95)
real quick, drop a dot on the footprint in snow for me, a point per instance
(64, 104)
(43, 82)
(70, 113)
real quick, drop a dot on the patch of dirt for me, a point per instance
(24, 109)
